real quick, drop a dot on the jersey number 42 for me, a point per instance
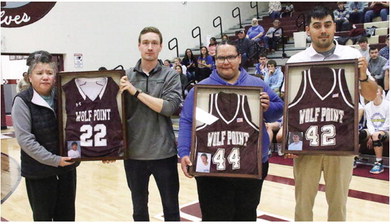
(327, 135)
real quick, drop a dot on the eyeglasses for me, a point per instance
(230, 58)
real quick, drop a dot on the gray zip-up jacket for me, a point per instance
(150, 134)
(375, 66)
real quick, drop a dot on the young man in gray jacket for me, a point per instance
(376, 64)
(152, 95)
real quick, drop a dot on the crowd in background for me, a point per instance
(257, 43)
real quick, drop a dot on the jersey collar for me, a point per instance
(313, 53)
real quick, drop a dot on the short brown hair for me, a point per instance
(272, 62)
(150, 29)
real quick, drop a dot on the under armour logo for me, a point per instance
(78, 104)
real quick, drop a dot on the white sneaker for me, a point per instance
(279, 149)
(271, 149)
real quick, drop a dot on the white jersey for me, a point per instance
(378, 116)
(296, 146)
(74, 153)
(203, 168)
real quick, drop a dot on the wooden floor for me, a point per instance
(103, 195)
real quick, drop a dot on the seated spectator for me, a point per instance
(184, 80)
(378, 125)
(364, 48)
(362, 121)
(261, 67)
(256, 31)
(212, 47)
(279, 139)
(178, 61)
(270, 42)
(386, 70)
(385, 51)
(361, 125)
(356, 12)
(205, 64)
(341, 16)
(190, 61)
(274, 77)
(24, 83)
(274, 10)
(167, 63)
(375, 65)
(287, 9)
(272, 128)
(224, 38)
(377, 9)
(244, 46)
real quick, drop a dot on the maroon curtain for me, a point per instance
(3, 117)
(60, 61)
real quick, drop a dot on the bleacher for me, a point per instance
(377, 40)
(289, 25)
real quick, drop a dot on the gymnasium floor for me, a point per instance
(103, 195)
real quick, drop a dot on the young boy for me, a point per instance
(377, 113)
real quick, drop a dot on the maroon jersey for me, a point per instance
(95, 123)
(232, 140)
(323, 111)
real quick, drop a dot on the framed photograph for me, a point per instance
(321, 108)
(91, 115)
(227, 132)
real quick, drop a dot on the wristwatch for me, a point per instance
(138, 91)
(365, 80)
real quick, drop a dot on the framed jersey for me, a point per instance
(321, 108)
(226, 136)
(91, 115)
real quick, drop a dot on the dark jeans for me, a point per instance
(270, 42)
(165, 172)
(190, 75)
(343, 25)
(53, 198)
(202, 73)
(380, 82)
(244, 60)
(230, 199)
(274, 15)
(356, 17)
(370, 14)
